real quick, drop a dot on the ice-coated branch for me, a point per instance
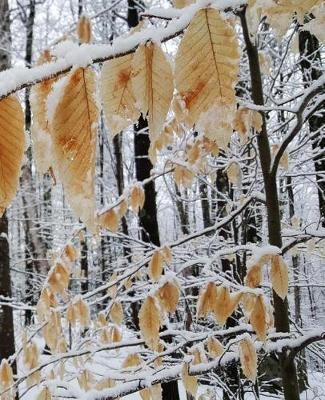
(316, 88)
(18, 78)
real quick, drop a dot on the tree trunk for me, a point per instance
(7, 342)
(281, 312)
(143, 166)
(310, 55)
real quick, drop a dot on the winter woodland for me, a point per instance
(162, 199)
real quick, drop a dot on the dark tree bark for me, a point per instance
(310, 58)
(281, 310)
(148, 215)
(7, 342)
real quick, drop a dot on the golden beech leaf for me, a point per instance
(132, 360)
(6, 375)
(254, 275)
(245, 119)
(156, 266)
(280, 13)
(101, 319)
(116, 313)
(189, 381)
(145, 394)
(45, 302)
(40, 130)
(207, 300)
(156, 392)
(71, 315)
(215, 348)
(152, 81)
(85, 380)
(149, 322)
(109, 220)
(279, 276)
(248, 358)
(182, 3)
(114, 334)
(73, 123)
(12, 145)
(83, 312)
(258, 318)
(117, 94)
(183, 176)
(206, 69)
(168, 296)
(167, 254)
(52, 330)
(84, 29)
(234, 173)
(45, 394)
(137, 198)
(225, 304)
(105, 383)
(58, 278)
(70, 252)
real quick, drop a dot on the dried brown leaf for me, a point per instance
(152, 81)
(12, 145)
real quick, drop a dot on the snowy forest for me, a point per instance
(162, 199)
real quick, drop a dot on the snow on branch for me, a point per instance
(18, 78)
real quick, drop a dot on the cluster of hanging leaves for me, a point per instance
(64, 129)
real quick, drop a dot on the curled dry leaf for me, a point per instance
(105, 383)
(152, 81)
(183, 176)
(234, 173)
(245, 119)
(207, 300)
(156, 392)
(189, 381)
(44, 304)
(156, 266)
(284, 160)
(40, 130)
(58, 278)
(12, 145)
(137, 198)
(70, 252)
(254, 275)
(168, 295)
(6, 375)
(101, 319)
(149, 322)
(225, 304)
(73, 124)
(206, 69)
(167, 254)
(248, 358)
(215, 348)
(258, 318)
(117, 94)
(279, 276)
(45, 394)
(132, 360)
(109, 220)
(84, 29)
(116, 313)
